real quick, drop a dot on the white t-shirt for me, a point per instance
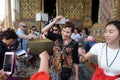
(76, 37)
(99, 49)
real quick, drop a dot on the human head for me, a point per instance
(22, 26)
(116, 24)
(67, 30)
(112, 32)
(90, 38)
(8, 37)
(80, 47)
(76, 30)
(85, 30)
(33, 29)
(56, 29)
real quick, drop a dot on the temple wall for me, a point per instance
(78, 11)
(108, 10)
(27, 12)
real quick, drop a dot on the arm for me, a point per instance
(76, 71)
(46, 28)
(76, 60)
(24, 36)
(44, 62)
(43, 71)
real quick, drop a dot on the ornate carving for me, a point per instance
(72, 8)
(79, 11)
(115, 9)
(28, 9)
(105, 10)
(17, 15)
(98, 30)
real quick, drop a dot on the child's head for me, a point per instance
(80, 48)
(90, 38)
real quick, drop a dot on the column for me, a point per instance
(8, 18)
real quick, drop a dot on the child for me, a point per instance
(81, 65)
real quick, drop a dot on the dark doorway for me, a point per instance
(95, 9)
(50, 7)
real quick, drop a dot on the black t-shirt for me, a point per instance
(74, 45)
(52, 36)
(3, 49)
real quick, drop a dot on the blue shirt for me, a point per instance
(23, 45)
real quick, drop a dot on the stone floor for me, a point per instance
(32, 66)
(26, 68)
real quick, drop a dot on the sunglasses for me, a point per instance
(34, 29)
(24, 26)
(55, 29)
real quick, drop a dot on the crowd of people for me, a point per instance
(72, 48)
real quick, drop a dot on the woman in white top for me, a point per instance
(33, 33)
(108, 54)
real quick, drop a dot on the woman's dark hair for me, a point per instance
(33, 27)
(57, 26)
(8, 34)
(115, 23)
(70, 25)
(76, 29)
(86, 30)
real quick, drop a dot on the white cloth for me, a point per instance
(76, 37)
(32, 36)
(99, 49)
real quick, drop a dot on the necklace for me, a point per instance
(108, 66)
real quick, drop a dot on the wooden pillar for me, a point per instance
(9, 13)
(8, 18)
(40, 10)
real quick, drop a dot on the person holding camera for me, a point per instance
(65, 54)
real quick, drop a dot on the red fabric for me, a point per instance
(40, 76)
(93, 65)
(99, 75)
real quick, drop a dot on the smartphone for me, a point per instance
(21, 53)
(8, 62)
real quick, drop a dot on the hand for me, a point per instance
(44, 55)
(3, 75)
(58, 18)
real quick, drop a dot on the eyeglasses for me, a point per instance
(23, 26)
(34, 29)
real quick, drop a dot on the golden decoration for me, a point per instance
(115, 9)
